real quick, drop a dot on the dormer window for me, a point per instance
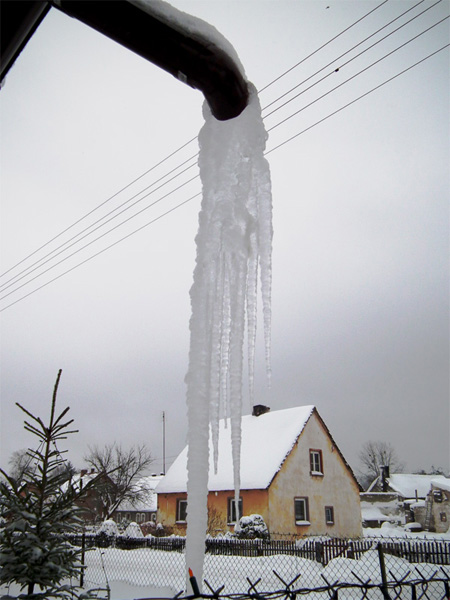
(315, 462)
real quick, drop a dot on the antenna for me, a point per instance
(164, 442)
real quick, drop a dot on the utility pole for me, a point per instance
(164, 442)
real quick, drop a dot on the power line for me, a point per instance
(17, 278)
(100, 237)
(350, 60)
(54, 253)
(356, 74)
(198, 194)
(186, 144)
(60, 249)
(57, 251)
(323, 46)
(103, 203)
(101, 251)
(356, 100)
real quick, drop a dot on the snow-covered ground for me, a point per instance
(148, 573)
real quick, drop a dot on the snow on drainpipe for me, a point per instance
(190, 49)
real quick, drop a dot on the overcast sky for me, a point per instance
(361, 228)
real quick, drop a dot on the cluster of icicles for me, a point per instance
(234, 247)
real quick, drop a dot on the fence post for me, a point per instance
(384, 586)
(319, 552)
(83, 548)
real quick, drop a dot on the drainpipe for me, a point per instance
(189, 57)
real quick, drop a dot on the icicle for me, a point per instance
(233, 242)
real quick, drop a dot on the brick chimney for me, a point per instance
(384, 477)
(260, 409)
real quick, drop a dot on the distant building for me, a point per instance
(292, 474)
(407, 498)
(143, 510)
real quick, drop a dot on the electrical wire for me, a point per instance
(103, 203)
(322, 47)
(192, 157)
(356, 99)
(187, 143)
(60, 249)
(349, 61)
(103, 250)
(99, 237)
(198, 194)
(357, 74)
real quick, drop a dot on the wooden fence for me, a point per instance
(320, 550)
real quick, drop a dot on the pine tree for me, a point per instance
(38, 512)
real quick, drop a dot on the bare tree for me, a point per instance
(123, 468)
(19, 464)
(375, 455)
(22, 466)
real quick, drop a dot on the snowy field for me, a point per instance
(128, 581)
(139, 574)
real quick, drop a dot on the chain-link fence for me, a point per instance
(366, 567)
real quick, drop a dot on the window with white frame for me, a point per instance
(181, 510)
(301, 511)
(329, 515)
(231, 513)
(315, 462)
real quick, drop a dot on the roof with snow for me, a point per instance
(407, 484)
(266, 441)
(442, 483)
(148, 499)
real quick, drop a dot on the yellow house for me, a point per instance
(292, 474)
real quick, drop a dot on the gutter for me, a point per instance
(193, 60)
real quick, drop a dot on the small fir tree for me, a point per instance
(37, 512)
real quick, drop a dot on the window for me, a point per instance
(315, 462)
(329, 515)
(181, 511)
(231, 517)
(443, 517)
(301, 511)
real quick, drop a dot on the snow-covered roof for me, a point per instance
(266, 441)
(79, 480)
(148, 501)
(442, 483)
(407, 484)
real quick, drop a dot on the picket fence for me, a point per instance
(320, 550)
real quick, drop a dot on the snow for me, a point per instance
(133, 531)
(195, 27)
(259, 461)
(109, 528)
(380, 510)
(411, 485)
(441, 483)
(234, 244)
(148, 502)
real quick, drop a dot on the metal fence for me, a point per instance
(369, 568)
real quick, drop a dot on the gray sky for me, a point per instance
(360, 250)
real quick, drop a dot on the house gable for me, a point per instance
(315, 491)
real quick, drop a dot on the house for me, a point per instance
(412, 492)
(381, 507)
(90, 501)
(433, 513)
(292, 474)
(143, 510)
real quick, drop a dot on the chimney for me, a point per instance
(385, 477)
(260, 409)
(83, 472)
